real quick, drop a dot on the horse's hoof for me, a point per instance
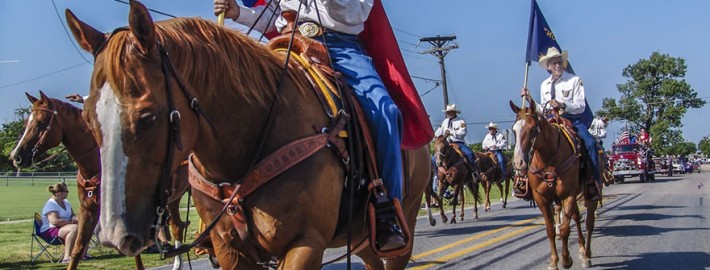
(586, 263)
(432, 222)
(567, 263)
(552, 267)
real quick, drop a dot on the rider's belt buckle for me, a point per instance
(310, 29)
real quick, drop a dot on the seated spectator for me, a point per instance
(58, 219)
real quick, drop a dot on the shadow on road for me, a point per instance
(665, 260)
(638, 230)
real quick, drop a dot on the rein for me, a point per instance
(44, 133)
(548, 176)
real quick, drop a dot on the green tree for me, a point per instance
(655, 97)
(704, 146)
(682, 149)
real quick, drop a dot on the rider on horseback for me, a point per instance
(565, 92)
(495, 142)
(454, 127)
(342, 21)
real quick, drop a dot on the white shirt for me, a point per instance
(493, 142)
(598, 129)
(568, 90)
(53, 206)
(456, 128)
(345, 16)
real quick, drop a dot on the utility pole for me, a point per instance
(440, 49)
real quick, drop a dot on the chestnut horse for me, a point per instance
(492, 175)
(452, 171)
(52, 122)
(544, 155)
(160, 91)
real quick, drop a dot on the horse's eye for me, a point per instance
(146, 119)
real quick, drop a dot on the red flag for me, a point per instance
(380, 43)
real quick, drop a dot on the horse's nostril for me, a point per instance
(17, 159)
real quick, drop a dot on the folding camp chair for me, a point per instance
(45, 245)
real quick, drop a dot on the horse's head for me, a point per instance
(527, 127)
(142, 120)
(442, 151)
(42, 132)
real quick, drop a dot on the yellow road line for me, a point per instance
(446, 258)
(472, 238)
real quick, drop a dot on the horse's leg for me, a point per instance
(139, 262)
(546, 211)
(88, 217)
(591, 207)
(442, 187)
(463, 200)
(177, 229)
(488, 196)
(507, 184)
(556, 218)
(428, 196)
(455, 199)
(472, 188)
(306, 253)
(502, 192)
(569, 206)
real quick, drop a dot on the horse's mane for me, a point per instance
(211, 56)
(65, 108)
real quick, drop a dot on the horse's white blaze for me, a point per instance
(29, 120)
(518, 152)
(113, 166)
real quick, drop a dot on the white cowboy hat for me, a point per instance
(553, 52)
(492, 125)
(452, 108)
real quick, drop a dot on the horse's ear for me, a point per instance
(43, 96)
(142, 27)
(88, 37)
(31, 98)
(514, 107)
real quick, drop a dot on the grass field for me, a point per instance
(20, 199)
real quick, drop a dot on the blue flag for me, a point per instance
(540, 37)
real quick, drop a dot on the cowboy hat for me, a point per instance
(452, 108)
(492, 125)
(553, 52)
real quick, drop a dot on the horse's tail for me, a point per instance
(474, 190)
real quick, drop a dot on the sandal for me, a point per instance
(65, 260)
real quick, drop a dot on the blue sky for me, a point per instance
(486, 71)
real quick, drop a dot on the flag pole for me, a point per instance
(525, 79)
(220, 19)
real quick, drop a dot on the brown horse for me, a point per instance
(452, 171)
(552, 167)
(52, 122)
(492, 175)
(144, 81)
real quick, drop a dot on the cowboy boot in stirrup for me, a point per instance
(389, 235)
(594, 191)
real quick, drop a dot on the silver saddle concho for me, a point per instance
(310, 29)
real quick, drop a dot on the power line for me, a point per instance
(41, 76)
(405, 32)
(71, 40)
(150, 9)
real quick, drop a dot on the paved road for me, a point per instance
(656, 225)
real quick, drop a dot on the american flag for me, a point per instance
(624, 136)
